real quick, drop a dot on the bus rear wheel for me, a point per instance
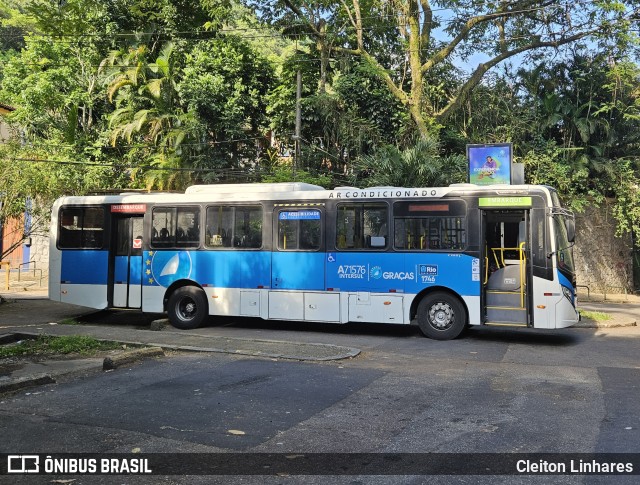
(441, 316)
(187, 307)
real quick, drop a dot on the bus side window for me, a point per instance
(175, 227)
(310, 234)
(248, 226)
(362, 226)
(436, 233)
(299, 230)
(163, 223)
(238, 227)
(188, 232)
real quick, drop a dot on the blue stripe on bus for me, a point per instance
(122, 268)
(298, 270)
(222, 269)
(88, 267)
(135, 273)
(409, 272)
(346, 271)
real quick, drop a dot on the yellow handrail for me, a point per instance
(523, 280)
(522, 261)
(486, 270)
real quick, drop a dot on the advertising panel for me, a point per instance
(490, 164)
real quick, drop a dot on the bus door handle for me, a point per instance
(313, 307)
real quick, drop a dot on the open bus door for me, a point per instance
(125, 278)
(506, 272)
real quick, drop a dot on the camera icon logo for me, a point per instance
(23, 464)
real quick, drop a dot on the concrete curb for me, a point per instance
(225, 345)
(25, 382)
(352, 352)
(111, 363)
(605, 324)
(275, 349)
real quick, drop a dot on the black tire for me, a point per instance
(441, 316)
(187, 307)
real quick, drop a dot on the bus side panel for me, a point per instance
(221, 273)
(459, 272)
(371, 271)
(408, 272)
(297, 271)
(473, 308)
(232, 269)
(83, 278)
(222, 269)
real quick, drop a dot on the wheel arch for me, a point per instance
(435, 289)
(179, 284)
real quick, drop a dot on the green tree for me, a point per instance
(421, 165)
(30, 182)
(149, 116)
(225, 82)
(497, 31)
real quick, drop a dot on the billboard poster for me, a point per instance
(490, 164)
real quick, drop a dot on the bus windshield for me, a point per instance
(564, 249)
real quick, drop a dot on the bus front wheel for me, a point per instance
(441, 316)
(187, 307)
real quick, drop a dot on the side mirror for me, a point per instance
(570, 224)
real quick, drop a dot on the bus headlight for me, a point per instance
(568, 293)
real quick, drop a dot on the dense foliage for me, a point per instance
(159, 94)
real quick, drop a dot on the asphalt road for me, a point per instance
(494, 391)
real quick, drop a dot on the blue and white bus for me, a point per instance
(443, 258)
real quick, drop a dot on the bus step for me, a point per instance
(506, 314)
(506, 324)
(504, 298)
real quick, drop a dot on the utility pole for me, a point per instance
(297, 135)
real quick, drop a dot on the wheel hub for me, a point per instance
(186, 309)
(441, 315)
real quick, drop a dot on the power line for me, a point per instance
(549, 37)
(257, 171)
(128, 166)
(273, 32)
(148, 145)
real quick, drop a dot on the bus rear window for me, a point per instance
(81, 228)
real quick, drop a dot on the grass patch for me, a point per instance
(45, 345)
(595, 316)
(70, 321)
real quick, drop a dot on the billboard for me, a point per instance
(490, 164)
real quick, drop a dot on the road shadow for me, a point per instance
(129, 318)
(552, 338)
